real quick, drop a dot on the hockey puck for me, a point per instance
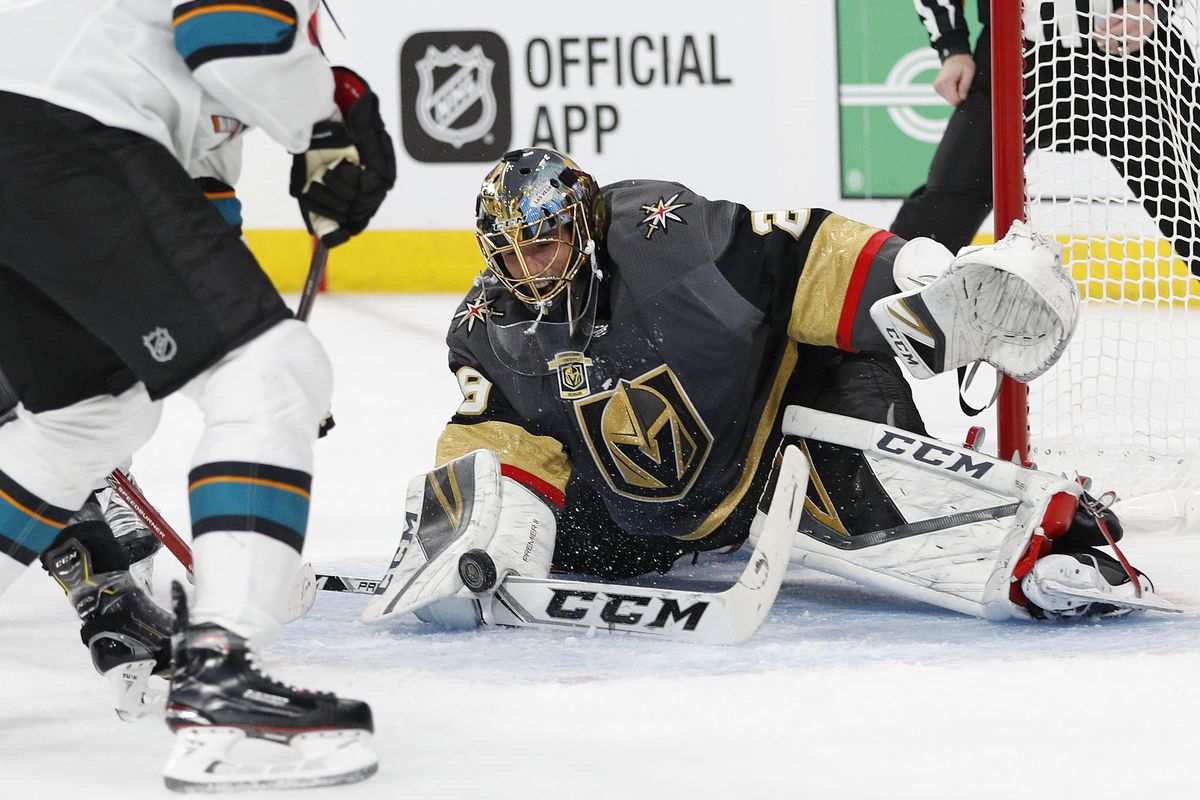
(477, 570)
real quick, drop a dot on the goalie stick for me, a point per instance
(727, 617)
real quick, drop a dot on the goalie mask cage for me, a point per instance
(1101, 150)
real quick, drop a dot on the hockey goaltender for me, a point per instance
(647, 374)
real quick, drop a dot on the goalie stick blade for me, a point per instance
(727, 617)
(1151, 603)
(346, 583)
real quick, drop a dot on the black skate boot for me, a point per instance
(129, 637)
(219, 699)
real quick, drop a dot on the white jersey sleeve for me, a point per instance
(254, 57)
(190, 75)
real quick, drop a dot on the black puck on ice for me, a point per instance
(477, 570)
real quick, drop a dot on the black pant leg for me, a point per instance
(957, 194)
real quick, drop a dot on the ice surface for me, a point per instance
(844, 693)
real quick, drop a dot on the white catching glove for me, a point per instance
(1011, 304)
(464, 507)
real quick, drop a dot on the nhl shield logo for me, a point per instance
(442, 103)
(161, 345)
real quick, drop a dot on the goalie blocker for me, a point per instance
(956, 528)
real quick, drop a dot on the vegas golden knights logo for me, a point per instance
(646, 436)
(572, 375)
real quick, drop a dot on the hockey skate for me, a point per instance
(129, 637)
(1078, 579)
(237, 729)
(139, 544)
(1088, 583)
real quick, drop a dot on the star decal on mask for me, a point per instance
(659, 214)
(477, 309)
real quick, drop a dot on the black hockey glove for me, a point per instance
(349, 167)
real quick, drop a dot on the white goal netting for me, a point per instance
(1112, 131)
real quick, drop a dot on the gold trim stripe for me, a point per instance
(821, 290)
(236, 7)
(31, 512)
(256, 481)
(453, 510)
(787, 364)
(542, 456)
(827, 514)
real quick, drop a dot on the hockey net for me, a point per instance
(1109, 159)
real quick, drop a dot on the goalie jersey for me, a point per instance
(190, 75)
(711, 319)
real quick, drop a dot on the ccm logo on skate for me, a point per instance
(932, 454)
(574, 604)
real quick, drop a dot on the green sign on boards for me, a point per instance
(891, 118)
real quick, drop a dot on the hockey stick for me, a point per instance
(312, 282)
(727, 617)
(8, 400)
(150, 517)
(133, 496)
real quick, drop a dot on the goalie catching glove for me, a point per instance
(463, 520)
(1010, 304)
(349, 167)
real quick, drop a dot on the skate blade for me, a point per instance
(222, 759)
(137, 693)
(1147, 603)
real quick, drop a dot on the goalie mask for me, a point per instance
(535, 216)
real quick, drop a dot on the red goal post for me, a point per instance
(1096, 142)
(1008, 191)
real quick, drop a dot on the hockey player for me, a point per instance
(120, 284)
(626, 361)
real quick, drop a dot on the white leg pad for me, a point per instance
(968, 518)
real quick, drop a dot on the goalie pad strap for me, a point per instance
(917, 528)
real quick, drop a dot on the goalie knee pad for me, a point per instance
(60, 455)
(263, 403)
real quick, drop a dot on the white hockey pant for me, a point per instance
(56, 459)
